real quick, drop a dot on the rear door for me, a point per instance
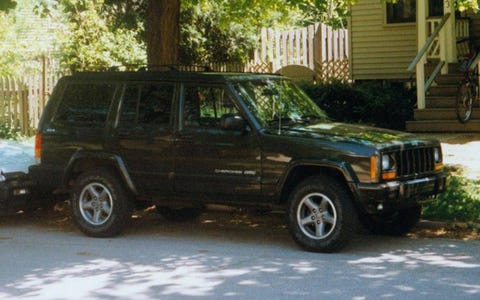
(79, 122)
(144, 136)
(211, 162)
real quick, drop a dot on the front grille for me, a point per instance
(414, 161)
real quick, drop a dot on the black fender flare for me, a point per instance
(112, 159)
(342, 167)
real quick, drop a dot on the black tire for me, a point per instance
(464, 102)
(398, 224)
(183, 214)
(100, 205)
(321, 215)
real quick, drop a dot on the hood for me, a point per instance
(353, 133)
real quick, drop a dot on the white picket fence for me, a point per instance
(318, 47)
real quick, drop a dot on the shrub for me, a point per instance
(460, 201)
(340, 101)
(386, 105)
(10, 133)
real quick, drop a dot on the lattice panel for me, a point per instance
(328, 70)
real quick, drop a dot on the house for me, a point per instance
(419, 42)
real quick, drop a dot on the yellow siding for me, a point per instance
(379, 51)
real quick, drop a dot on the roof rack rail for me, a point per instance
(160, 67)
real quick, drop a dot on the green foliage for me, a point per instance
(463, 5)
(330, 12)
(460, 202)
(386, 105)
(8, 133)
(6, 5)
(24, 38)
(93, 43)
(204, 39)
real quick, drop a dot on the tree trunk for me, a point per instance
(163, 32)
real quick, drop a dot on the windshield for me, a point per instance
(279, 103)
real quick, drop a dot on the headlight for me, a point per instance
(388, 162)
(437, 155)
(389, 167)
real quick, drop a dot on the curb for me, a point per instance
(428, 224)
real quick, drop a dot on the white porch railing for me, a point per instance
(418, 63)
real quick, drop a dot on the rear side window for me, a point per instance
(85, 102)
(147, 104)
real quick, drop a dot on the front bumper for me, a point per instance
(394, 195)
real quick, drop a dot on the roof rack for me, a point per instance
(161, 67)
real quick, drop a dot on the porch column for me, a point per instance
(449, 34)
(421, 38)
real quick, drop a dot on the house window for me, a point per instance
(403, 11)
(435, 8)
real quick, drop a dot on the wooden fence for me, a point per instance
(22, 100)
(317, 47)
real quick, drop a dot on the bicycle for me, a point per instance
(468, 90)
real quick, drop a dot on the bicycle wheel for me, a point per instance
(464, 102)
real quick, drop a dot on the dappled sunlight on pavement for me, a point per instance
(252, 258)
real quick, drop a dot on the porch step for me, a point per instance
(453, 68)
(448, 79)
(440, 102)
(442, 126)
(441, 114)
(443, 90)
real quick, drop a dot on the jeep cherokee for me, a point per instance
(182, 140)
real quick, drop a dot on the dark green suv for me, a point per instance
(182, 140)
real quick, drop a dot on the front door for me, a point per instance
(211, 162)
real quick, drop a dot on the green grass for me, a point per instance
(460, 201)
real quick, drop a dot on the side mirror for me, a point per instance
(233, 122)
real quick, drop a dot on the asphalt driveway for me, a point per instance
(224, 255)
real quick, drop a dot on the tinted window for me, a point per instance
(146, 104)
(85, 103)
(205, 106)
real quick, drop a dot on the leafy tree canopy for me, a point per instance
(6, 5)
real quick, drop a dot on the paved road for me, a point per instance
(231, 256)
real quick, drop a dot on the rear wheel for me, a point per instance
(464, 102)
(321, 216)
(100, 205)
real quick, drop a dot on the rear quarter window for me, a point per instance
(85, 103)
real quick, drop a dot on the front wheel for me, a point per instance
(321, 216)
(100, 205)
(464, 102)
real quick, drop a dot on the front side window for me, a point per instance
(204, 106)
(403, 11)
(146, 104)
(86, 103)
